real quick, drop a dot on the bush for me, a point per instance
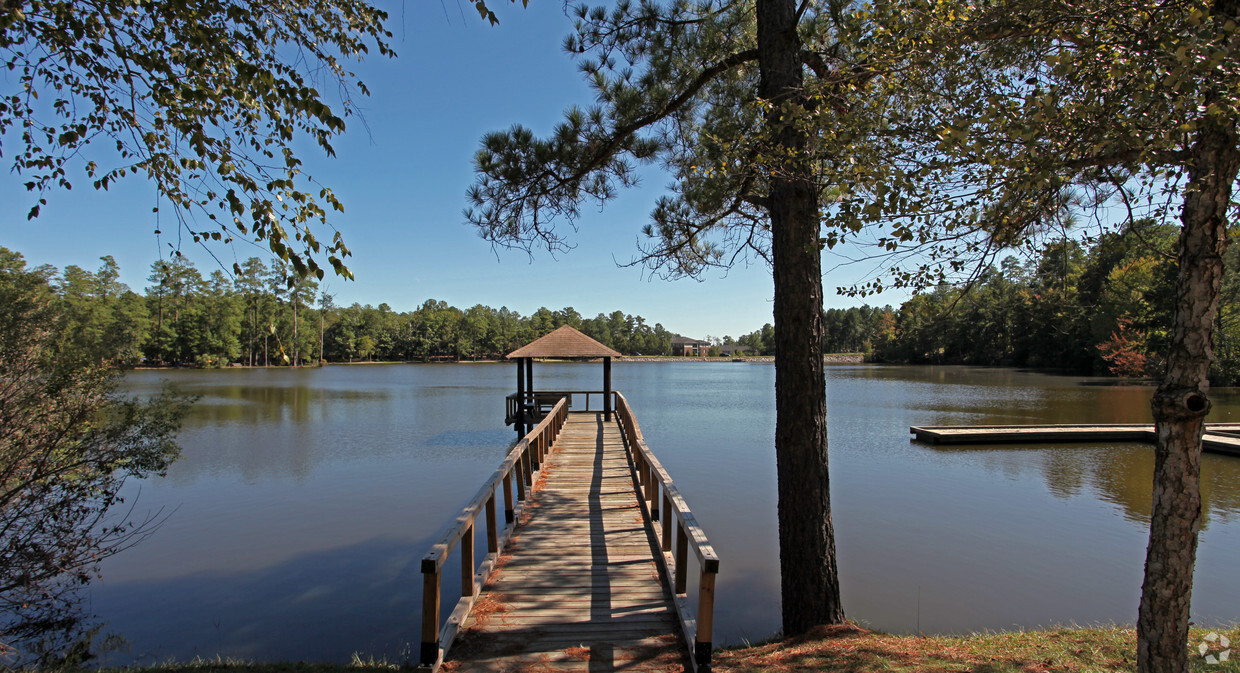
(68, 442)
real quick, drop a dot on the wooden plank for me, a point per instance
(551, 584)
(517, 594)
(613, 630)
(553, 564)
(589, 548)
(535, 605)
(519, 649)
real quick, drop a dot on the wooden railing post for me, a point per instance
(667, 522)
(518, 469)
(492, 527)
(705, 621)
(467, 561)
(526, 473)
(682, 560)
(430, 615)
(652, 492)
(510, 513)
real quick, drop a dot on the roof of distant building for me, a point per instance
(677, 340)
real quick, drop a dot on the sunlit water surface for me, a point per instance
(297, 515)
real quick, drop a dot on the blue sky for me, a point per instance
(402, 172)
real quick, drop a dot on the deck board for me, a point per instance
(578, 588)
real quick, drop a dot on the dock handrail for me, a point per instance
(696, 627)
(525, 459)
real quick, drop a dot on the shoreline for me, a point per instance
(847, 648)
(830, 358)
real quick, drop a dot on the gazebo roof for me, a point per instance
(564, 342)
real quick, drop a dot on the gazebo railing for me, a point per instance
(531, 401)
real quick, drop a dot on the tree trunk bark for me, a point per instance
(1181, 402)
(296, 336)
(808, 575)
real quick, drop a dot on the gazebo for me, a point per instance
(527, 405)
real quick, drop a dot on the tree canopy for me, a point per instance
(208, 101)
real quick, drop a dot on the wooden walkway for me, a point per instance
(587, 569)
(1221, 438)
(577, 588)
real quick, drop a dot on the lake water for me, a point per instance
(304, 499)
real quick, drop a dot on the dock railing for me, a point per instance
(519, 466)
(656, 487)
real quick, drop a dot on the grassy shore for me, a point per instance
(850, 649)
(1067, 650)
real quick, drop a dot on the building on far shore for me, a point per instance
(690, 347)
(735, 350)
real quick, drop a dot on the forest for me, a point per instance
(1101, 306)
(258, 318)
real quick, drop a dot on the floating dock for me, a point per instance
(1223, 438)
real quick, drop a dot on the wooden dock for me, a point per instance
(1223, 438)
(579, 576)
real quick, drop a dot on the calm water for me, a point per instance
(304, 500)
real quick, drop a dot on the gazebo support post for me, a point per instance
(607, 389)
(529, 377)
(520, 398)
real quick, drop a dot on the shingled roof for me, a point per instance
(564, 342)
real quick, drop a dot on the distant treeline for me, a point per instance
(1093, 309)
(1096, 309)
(256, 318)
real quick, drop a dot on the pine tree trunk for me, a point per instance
(249, 347)
(808, 576)
(1181, 402)
(159, 326)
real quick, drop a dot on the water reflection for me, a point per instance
(304, 499)
(251, 615)
(1120, 474)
